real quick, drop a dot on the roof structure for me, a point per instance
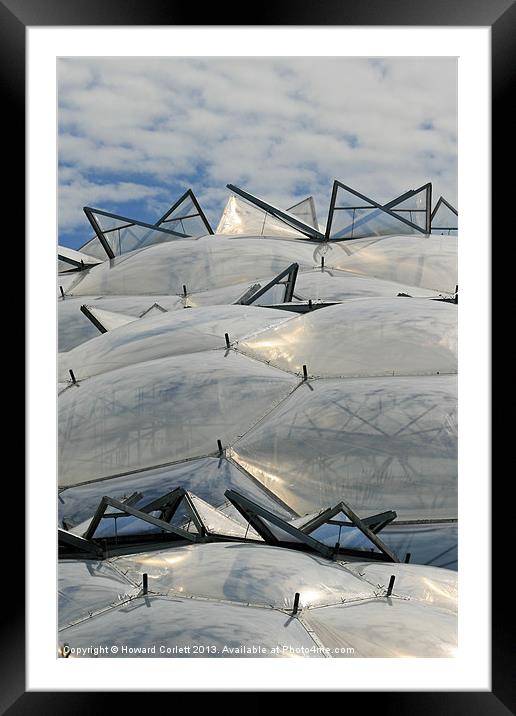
(258, 427)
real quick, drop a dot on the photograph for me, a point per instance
(270, 471)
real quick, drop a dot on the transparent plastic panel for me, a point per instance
(413, 208)
(418, 261)
(188, 628)
(430, 586)
(376, 444)
(207, 477)
(164, 334)
(186, 218)
(242, 218)
(274, 295)
(363, 337)
(385, 628)
(358, 223)
(109, 223)
(427, 543)
(248, 573)
(85, 587)
(347, 537)
(191, 226)
(444, 218)
(162, 411)
(74, 328)
(217, 522)
(199, 265)
(333, 285)
(135, 237)
(93, 247)
(305, 211)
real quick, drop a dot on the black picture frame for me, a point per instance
(500, 16)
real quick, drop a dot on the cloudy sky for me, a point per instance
(134, 133)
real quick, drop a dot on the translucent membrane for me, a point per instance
(376, 443)
(201, 264)
(162, 411)
(251, 574)
(74, 328)
(363, 337)
(165, 334)
(419, 261)
(190, 626)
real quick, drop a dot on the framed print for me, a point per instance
(272, 472)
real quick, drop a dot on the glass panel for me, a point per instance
(364, 337)
(218, 523)
(164, 334)
(376, 444)
(199, 264)
(191, 226)
(386, 628)
(305, 211)
(208, 477)
(185, 218)
(413, 208)
(358, 223)
(108, 222)
(175, 626)
(85, 587)
(248, 573)
(242, 218)
(93, 247)
(162, 411)
(275, 294)
(347, 537)
(444, 218)
(126, 525)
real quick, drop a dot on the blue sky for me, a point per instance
(134, 133)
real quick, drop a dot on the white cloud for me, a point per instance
(134, 128)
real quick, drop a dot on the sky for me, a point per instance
(135, 133)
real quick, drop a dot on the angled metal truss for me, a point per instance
(258, 517)
(266, 527)
(293, 222)
(389, 208)
(125, 224)
(286, 278)
(174, 209)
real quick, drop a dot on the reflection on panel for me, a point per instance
(190, 626)
(420, 261)
(247, 573)
(88, 586)
(426, 543)
(386, 628)
(363, 337)
(336, 285)
(161, 411)
(166, 334)
(242, 218)
(377, 444)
